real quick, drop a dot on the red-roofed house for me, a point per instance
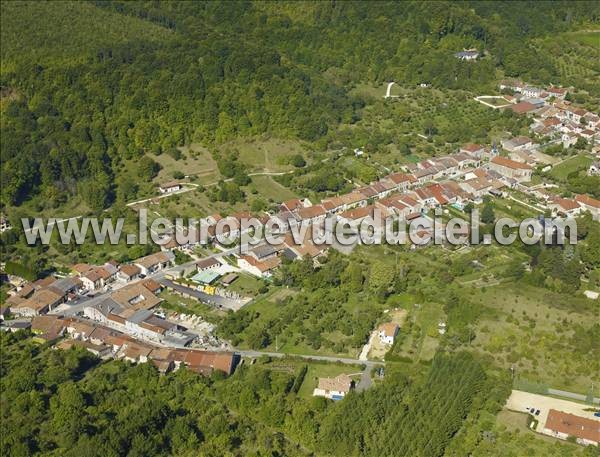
(522, 108)
(589, 204)
(564, 206)
(563, 425)
(511, 169)
(476, 150)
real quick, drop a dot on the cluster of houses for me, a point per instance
(130, 310)
(120, 324)
(554, 117)
(41, 296)
(106, 342)
(456, 179)
(572, 206)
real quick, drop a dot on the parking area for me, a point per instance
(523, 402)
(213, 300)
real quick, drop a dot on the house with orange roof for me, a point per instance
(557, 92)
(476, 150)
(40, 302)
(334, 388)
(393, 205)
(402, 181)
(511, 169)
(129, 272)
(312, 214)
(522, 107)
(262, 269)
(294, 204)
(426, 197)
(387, 332)
(564, 425)
(477, 187)
(590, 204)
(354, 217)
(564, 206)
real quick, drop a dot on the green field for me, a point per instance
(587, 38)
(419, 337)
(271, 190)
(246, 285)
(570, 165)
(196, 162)
(264, 154)
(532, 329)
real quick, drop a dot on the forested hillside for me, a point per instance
(57, 402)
(89, 85)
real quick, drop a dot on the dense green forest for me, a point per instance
(58, 402)
(88, 86)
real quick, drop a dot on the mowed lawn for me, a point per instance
(564, 169)
(246, 285)
(586, 38)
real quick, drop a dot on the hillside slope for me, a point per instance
(66, 31)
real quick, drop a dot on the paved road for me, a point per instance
(76, 306)
(325, 358)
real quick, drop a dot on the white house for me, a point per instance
(467, 54)
(262, 269)
(387, 332)
(154, 262)
(532, 92)
(568, 140)
(590, 204)
(169, 187)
